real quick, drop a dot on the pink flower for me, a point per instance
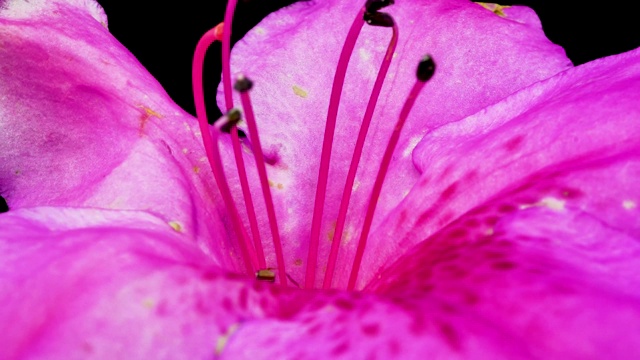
(507, 226)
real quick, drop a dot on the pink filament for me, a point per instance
(355, 160)
(377, 186)
(334, 102)
(235, 140)
(213, 154)
(264, 182)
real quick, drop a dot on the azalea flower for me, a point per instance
(507, 226)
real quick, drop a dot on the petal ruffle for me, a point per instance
(570, 145)
(558, 282)
(96, 284)
(571, 142)
(291, 56)
(84, 124)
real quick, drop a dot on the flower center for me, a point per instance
(251, 246)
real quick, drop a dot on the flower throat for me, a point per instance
(251, 247)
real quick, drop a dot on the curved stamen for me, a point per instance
(334, 102)
(235, 139)
(425, 71)
(243, 85)
(213, 153)
(355, 160)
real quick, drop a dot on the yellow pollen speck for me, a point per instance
(148, 114)
(175, 226)
(549, 202)
(280, 186)
(260, 31)
(629, 204)
(196, 169)
(356, 185)
(148, 303)
(222, 340)
(298, 262)
(332, 231)
(299, 91)
(413, 142)
(495, 8)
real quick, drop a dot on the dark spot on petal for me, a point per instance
(503, 265)
(491, 220)
(264, 304)
(341, 348)
(470, 298)
(344, 304)
(448, 192)
(314, 329)
(507, 208)
(457, 233)
(450, 335)
(514, 143)
(471, 223)
(569, 193)
(394, 347)
(371, 329)
(243, 298)
(227, 304)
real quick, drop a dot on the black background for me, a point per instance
(163, 37)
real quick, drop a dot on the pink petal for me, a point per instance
(558, 283)
(84, 124)
(110, 284)
(292, 55)
(571, 142)
(99, 284)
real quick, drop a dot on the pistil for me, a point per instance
(425, 71)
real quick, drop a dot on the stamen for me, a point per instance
(248, 200)
(334, 102)
(235, 139)
(213, 154)
(425, 71)
(266, 275)
(355, 160)
(243, 85)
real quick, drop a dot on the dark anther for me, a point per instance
(378, 19)
(233, 117)
(373, 6)
(426, 68)
(243, 84)
(3, 205)
(266, 275)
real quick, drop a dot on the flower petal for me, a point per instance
(292, 55)
(84, 124)
(99, 284)
(560, 283)
(571, 142)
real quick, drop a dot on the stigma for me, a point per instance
(250, 243)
